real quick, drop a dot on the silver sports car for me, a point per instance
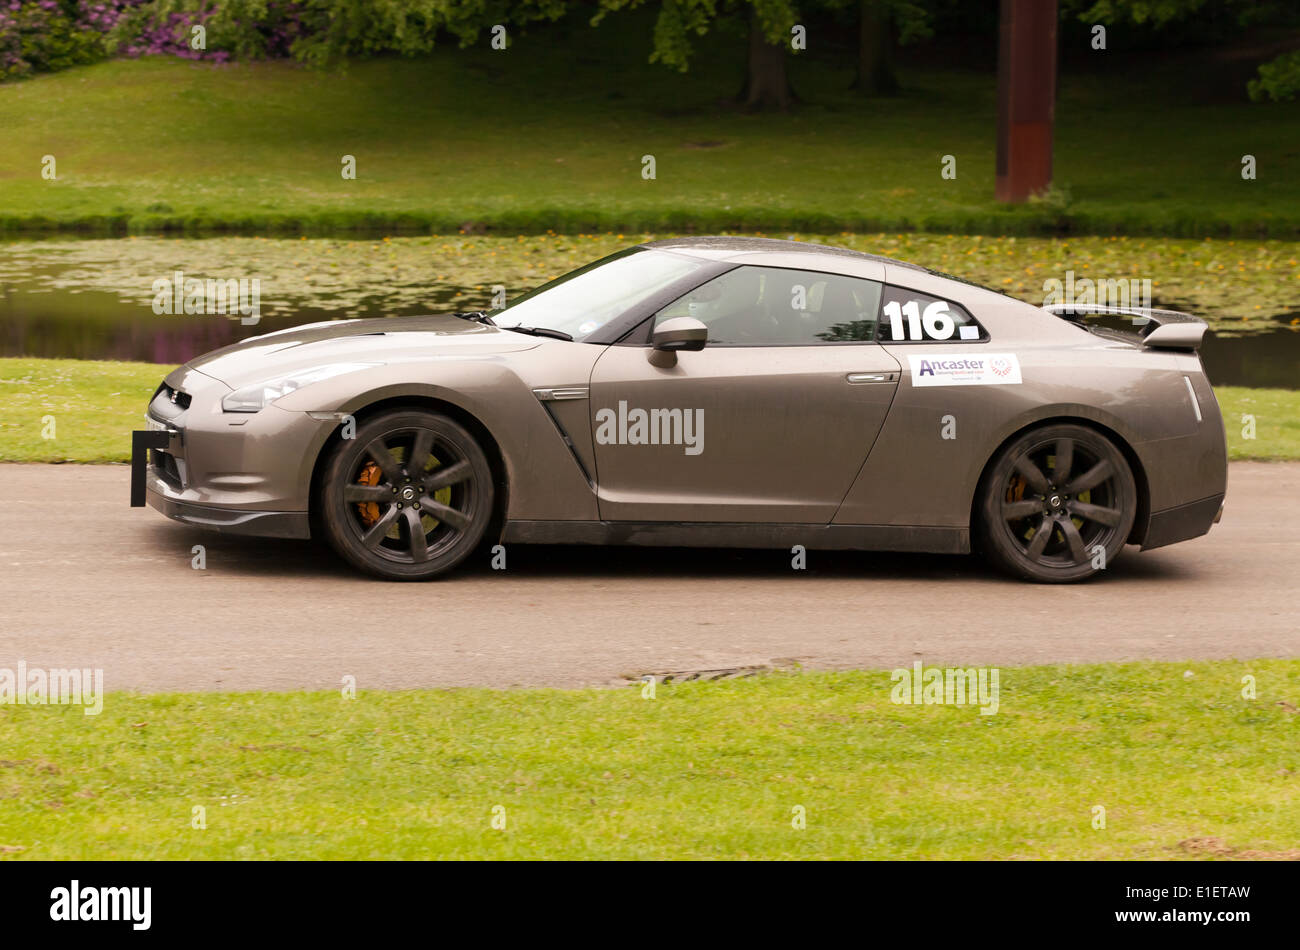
(714, 391)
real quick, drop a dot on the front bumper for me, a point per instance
(147, 485)
(246, 474)
(262, 524)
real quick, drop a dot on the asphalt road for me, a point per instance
(90, 582)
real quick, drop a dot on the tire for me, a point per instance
(397, 523)
(1051, 526)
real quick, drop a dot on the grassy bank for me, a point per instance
(1181, 763)
(95, 405)
(552, 134)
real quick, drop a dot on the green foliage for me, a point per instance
(1201, 23)
(34, 39)
(332, 29)
(1161, 13)
(679, 22)
(676, 24)
(912, 21)
(323, 32)
(237, 27)
(1278, 80)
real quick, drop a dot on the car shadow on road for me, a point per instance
(262, 557)
(279, 558)
(560, 562)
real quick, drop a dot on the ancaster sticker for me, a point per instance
(982, 369)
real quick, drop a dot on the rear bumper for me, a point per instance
(1183, 522)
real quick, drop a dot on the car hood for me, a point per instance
(381, 340)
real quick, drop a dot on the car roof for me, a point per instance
(724, 247)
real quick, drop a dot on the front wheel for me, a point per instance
(409, 497)
(1057, 504)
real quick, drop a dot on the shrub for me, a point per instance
(1278, 80)
(47, 35)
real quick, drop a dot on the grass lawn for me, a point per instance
(95, 405)
(551, 134)
(1276, 415)
(1182, 764)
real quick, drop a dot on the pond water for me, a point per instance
(93, 325)
(92, 299)
(100, 326)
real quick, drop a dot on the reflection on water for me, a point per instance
(1269, 360)
(92, 325)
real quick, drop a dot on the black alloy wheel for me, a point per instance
(409, 497)
(1057, 505)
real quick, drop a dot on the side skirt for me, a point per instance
(835, 537)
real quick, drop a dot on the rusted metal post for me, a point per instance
(1026, 97)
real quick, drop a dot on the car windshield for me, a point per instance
(584, 300)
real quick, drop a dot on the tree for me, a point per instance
(1278, 78)
(766, 84)
(882, 26)
(1026, 97)
(768, 23)
(875, 49)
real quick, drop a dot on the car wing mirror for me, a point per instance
(680, 333)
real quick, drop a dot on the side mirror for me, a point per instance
(680, 333)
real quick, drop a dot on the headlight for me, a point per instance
(258, 396)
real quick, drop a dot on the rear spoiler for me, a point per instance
(1163, 329)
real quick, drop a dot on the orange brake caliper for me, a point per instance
(1015, 491)
(370, 475)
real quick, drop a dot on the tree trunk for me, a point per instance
(1026, 98)
(766, 85)
(875, 50)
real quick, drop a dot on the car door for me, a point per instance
(770, 422)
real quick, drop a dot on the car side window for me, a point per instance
(775, 306)
(908, 316)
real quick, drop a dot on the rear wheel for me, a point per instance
(409, 497)
(1057, 504)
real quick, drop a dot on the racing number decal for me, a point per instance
(936, 323)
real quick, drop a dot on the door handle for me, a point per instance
(872, 377)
